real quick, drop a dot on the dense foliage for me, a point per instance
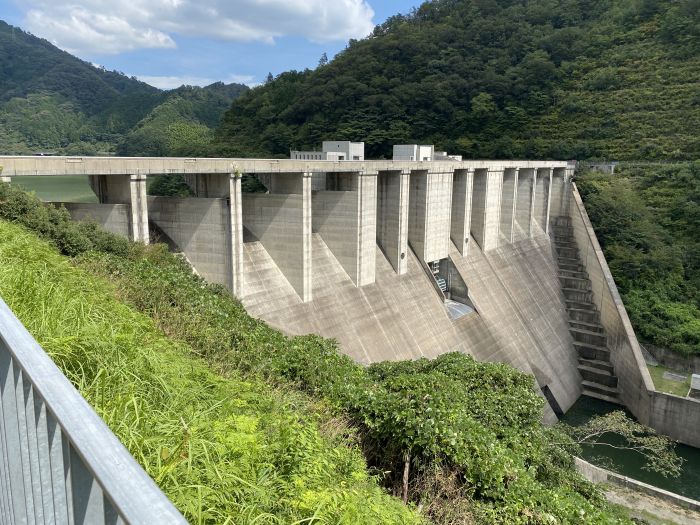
(50, 101)
(495, 79)
(647, 220)
(470, 432)
(224, 450)
(183, 124)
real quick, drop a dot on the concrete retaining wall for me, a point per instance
(674, 416)
(115, 218)
(596, 475)
(673, 360)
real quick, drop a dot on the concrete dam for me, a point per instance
(401, 260)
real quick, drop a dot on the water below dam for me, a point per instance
(630, 463)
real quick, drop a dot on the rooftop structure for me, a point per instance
(413, 152)
(333, 150)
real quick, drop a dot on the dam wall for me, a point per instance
(520, 317)
(395, 259)
(199, 228)
(115, 218)
(674, 416)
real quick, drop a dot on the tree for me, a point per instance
(269, 78)
(323, 60)
(602, 431)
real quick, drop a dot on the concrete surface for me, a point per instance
(401, 317)
(460, 224)
(683, 509)
(543, 183)
(125, 189)
(392, 217)
(200, 229)
(509, 200)
(430, 205)
(115, 218)
(343, 216)
(115, 166)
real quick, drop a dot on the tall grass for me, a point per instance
(225, 450)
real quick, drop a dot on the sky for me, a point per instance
(168, 43)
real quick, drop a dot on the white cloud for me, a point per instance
(113, 26)
(172, 82)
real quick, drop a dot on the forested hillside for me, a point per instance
(183, 124)
(496, 78)
(647, 219)
(51, 101)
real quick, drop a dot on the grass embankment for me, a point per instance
(467, 433)
(225, 450)
(679, 388)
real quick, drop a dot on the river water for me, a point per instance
(630, 463)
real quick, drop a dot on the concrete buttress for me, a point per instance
(392, 216)
(281, 220)
(430, 204)
(486, 207)
(460, 223)
(207, 228)
(126, 189)
(509, 199)
(345, 210)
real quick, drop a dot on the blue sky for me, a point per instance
(170, 42)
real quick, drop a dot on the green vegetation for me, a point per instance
(462, 439)
(183, 124)
(225, 450)
(647, 220)
(668, 385)
(495, 79)
(51, 101)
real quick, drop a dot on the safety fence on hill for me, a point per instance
(59, 462)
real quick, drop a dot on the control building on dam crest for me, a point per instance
(400, 260)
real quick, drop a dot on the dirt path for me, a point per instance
(654, 510)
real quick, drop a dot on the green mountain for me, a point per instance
(53, 101)
(183, 123)
(496, 78)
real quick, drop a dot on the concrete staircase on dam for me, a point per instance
(590, 341)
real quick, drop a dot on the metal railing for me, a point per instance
(59, 462)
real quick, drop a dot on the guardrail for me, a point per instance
(59, 462)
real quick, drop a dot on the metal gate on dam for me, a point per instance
(401, 260)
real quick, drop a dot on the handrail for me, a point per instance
(59, 462)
